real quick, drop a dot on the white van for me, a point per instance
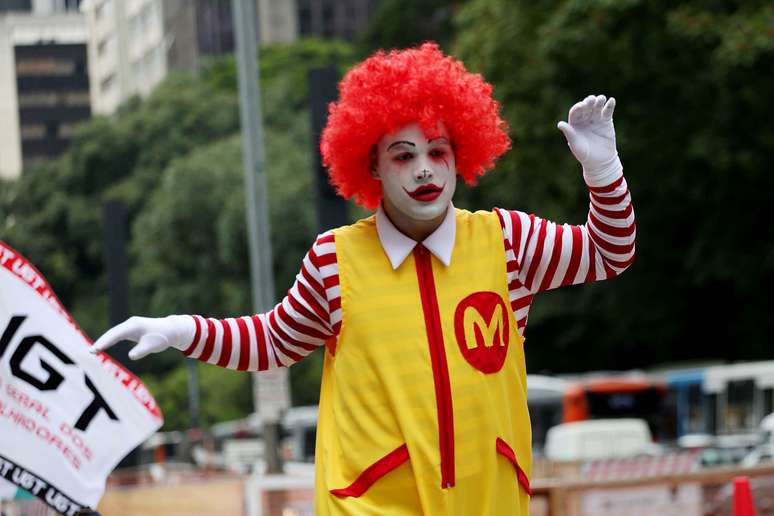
(599, 439)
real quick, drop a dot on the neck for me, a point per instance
(415, 229)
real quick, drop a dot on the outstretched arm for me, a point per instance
(543, 255)
(309, 315)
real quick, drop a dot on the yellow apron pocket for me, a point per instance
(506, 451)
(374, 472)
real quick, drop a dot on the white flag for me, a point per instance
(67, 417)
(7, 490)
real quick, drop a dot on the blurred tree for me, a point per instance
(696, 137)
(56, 207)
(283, 73)
(175, 159)
(225, 395)
(406, 23)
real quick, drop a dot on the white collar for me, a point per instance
(397, 246)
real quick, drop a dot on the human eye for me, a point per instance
(404, 156)
(437, 153)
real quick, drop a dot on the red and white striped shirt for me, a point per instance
(540, 254)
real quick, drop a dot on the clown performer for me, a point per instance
(421, 307)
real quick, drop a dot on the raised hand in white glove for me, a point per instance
(152, 335)
(591, 137)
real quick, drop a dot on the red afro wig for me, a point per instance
(416, 85)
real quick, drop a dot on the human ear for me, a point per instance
(374, 165)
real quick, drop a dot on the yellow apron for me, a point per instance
(423, 405)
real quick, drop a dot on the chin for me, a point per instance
(432, 212)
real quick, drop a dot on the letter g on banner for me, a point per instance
(481, 325)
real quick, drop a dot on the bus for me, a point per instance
(721, 399)
(613, 396)
(692, 409)
(739, 396)
(545, 396)
(599, 396)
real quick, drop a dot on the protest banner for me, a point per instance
(67, 417)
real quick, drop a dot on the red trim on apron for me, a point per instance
(443, 397)
(507, 452)
(374, 472)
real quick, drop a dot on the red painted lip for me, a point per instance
(426, 193)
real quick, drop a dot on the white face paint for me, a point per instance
(418, 175)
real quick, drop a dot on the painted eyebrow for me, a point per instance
(440, 139)
(401, 142)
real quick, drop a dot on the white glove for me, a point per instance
(152, 335)
(591, 137)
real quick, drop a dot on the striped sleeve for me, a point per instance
(304, 320)
(542, 255)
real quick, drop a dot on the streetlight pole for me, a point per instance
(245, 17)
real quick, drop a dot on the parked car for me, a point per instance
(600, 439)
(764, 452)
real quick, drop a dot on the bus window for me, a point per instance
(768, 408)
(618, 397)
(711, 417)
(740, 406)
(696, 418)
(543, 416)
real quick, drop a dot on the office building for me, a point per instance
(44, 87)
(134, 44)
(342, 19)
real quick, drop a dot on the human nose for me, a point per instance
(423, 174)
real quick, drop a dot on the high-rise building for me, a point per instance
(277, 21)
(133, 44)
(44, 87)
(126, 47)
(343, 19)
(39, 7)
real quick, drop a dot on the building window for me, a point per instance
(66, 131)
(38, 99)
(327, 13)
(44, 66)
(304, 20)
(15, 5)
(143, 22)
(148, 16)
(106, 44)
(155, 64)
(76, 99)
(107, 82)
(138, 71)
(33, 131)
(135, 27)
(103, 9)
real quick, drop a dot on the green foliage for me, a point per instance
(57, 207)
(696, 139)
(224, 395)
(692, 80)
(283, 72)
(175, 159)
(407, 23)
(195, 221)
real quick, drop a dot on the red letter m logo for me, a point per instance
(481, 325)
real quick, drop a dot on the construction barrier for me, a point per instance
(703, 493)
(181, 489)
